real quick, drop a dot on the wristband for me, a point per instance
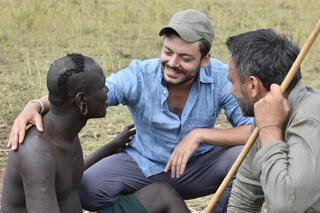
(39, 102)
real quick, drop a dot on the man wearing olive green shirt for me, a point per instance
(283, 166)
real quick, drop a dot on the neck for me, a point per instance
(63, 126)
(186, 86)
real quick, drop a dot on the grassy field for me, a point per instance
(35, 32)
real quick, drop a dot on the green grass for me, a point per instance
(35, 32)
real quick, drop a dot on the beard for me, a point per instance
(245, 104)
(186, 75)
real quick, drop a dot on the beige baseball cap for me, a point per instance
(191, 25)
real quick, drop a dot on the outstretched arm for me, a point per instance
(31, 114)
(115, 145)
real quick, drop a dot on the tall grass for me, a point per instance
(35, 32)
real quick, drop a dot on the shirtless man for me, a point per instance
(44, 175)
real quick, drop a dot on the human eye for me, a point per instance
(186, 58)
(167, 51)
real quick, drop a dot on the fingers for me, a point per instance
(168, 166)
(14, 136)
(177, 164)
(130, 126)
(275, 92)
(30, 114)
(183, 164)
(130, 130)
(9, 141)
(272, 109)
(38, 122)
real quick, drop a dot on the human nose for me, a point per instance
(173, 61)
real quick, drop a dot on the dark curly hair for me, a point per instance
(59, 93)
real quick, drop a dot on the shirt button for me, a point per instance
(165, 91)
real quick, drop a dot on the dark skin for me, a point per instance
(156, 197)
(44, 175)
(70, 156)
(114, 146)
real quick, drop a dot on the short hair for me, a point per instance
(59, 84)
(204, 45)
(264, 54)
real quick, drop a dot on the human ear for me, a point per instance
(205, 60)
(81, 103)
(254, 87)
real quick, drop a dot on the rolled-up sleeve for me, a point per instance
(125, 86)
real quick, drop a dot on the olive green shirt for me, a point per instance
(285, 174)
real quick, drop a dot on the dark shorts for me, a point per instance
(126, 203)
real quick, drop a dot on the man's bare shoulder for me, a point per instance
(36, 153)
(33, 164)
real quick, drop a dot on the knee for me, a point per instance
(165, 191)
(228, 158)
(93, 194)
(88, 191)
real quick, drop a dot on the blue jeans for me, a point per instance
(118, 174)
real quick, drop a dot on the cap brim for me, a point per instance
(185, 33)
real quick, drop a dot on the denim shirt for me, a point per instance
(141, 87)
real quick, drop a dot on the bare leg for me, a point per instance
(161, 197)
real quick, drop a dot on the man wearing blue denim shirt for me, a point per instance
(174, 102)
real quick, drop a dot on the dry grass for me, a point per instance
(35, 32)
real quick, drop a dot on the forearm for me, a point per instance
(246, 194)
(289, 170)
(46, 103)
(104, 151)
(243, 200)
(224, 137)
(289, 175)
(115, 145)
(42, 105)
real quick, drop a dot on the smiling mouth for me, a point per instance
(173, 70)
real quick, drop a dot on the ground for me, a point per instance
(34, 33)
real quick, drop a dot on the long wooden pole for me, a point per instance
(284, 85)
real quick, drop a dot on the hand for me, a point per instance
(29, 115)
(270, 115)
(124, 137)
(181, 154)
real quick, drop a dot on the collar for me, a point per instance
(296, 94)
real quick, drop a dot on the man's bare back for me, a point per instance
(44, 174)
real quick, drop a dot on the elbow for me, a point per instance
(284, 206)
(279, 208)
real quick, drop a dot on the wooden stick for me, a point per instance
(284, 85)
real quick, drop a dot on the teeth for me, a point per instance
(172, 70)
